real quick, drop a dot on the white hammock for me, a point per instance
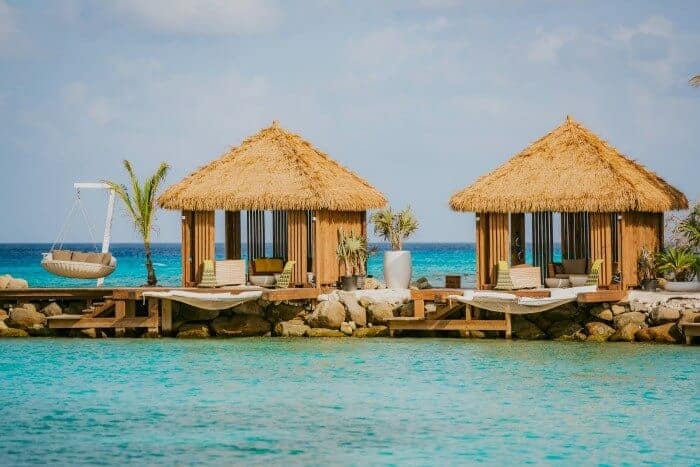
(207, 301)
(77, 269)
(503, 302)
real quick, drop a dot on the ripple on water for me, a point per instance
(420, 401)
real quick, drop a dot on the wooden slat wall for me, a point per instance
(601, 244)
(326, 266)
(638, 230)
(483, 275)
(542, 241)
(574, 235)
(498, 242)
(232, 220)
(187, 235)
(279, 234)
(256, 234)
(203, 246)
(517, 238)
(297, 244)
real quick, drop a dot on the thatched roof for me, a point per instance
(273, 170)
(569, 169)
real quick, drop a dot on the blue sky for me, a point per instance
(419, 97)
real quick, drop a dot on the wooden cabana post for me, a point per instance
(609, 206)
(309, 194)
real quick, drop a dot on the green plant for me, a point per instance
(348, 246)
(679, 263)
(690, 226)
(394, 227)
(646, 265)
(141, 206)
(360, 255)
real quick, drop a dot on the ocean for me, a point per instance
(430, 260)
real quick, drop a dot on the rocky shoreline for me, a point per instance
(643, 318)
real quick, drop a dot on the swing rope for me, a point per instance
(66, 223)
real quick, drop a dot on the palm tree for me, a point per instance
(141, 207)
(695, 81)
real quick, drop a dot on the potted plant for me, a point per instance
(646, 269)
(347, 248)
(395, 228)
(679, 265)
(359, 259)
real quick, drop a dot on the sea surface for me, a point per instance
(23, 260)
(347, 401)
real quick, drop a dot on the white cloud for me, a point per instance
(546, 47)
(202, 17)
(653, 26)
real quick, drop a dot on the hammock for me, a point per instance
(508, 303)
(207, 301)
(82, 265)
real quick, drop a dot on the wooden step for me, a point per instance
(444, 312)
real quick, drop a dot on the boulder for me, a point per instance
(355, 311)
(371, 283)
(282, 311)
(328, 314)
(626, 333)
(365, 302)
(3, 315)
(687, 316)
(3, 325)
(5, 280)
(190, 313)
(666, 333)
(664, 314)
(374, 331)
(23, 318)
(640, 306)
(643, 335)
(240, 326)
(293, 328)
(52, 309)
(40, 331)
(346, 329)
(598, 332)
(379, 313)
(524, 329)
(406, 310)
(252, 307)
(28, 306)
(13, 332)
(562, 313)
(17, 284)
(423, 283)
(618, 309)
(602, 313)
(193, 331)
(323, 332)
(565, 330)
(629, 317)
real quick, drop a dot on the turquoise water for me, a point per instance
(431, 260)
(347, 401)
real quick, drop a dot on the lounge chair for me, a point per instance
(519, 277)
(286, 277)
(222, 273)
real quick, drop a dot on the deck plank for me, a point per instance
(80, 322)
(601, 296)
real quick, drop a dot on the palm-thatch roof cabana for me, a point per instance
(310, 195)
(610, 206)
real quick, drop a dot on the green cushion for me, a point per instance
(503, 281)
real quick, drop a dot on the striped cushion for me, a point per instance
(526, 277)
(503, 282)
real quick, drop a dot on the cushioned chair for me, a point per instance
(594, 273)
(286, 277)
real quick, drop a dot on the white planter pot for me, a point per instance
(397, 269)
(693, 286)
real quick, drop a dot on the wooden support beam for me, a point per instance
(417, 324)
(232, 238)
(602, 296)
(78, 322)
(166, 317)
(153, 313)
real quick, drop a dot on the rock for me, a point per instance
(355, 311)
(626, 333)
(146, 335)
(28, 306)
(346, 329)
(323, 332)
(193, 331)
(13, 332)
(52, 309)
(562, 313)
(23, 318)
(3, 325)
(687, 316)
(40, 331)
(3, 315)
(17, 284)
(283, 311)
(476, 334)
(374, 331)
(240, 326)
(90, 333)
(75, 308)
(664, 314)
(643, 335)
(602, 313)
(252, 307)
(378, 313)
(190, 313)
(293, 328)
(371, 283)
(598, 332)
(640, 306)
(524, 329)
(423, 283)
(618, 309)
(565, 330)
(5, 280)
(629, 317)
(328, 314)
(365, 302)
(406, 310)
(667, 333)
(352, 325)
